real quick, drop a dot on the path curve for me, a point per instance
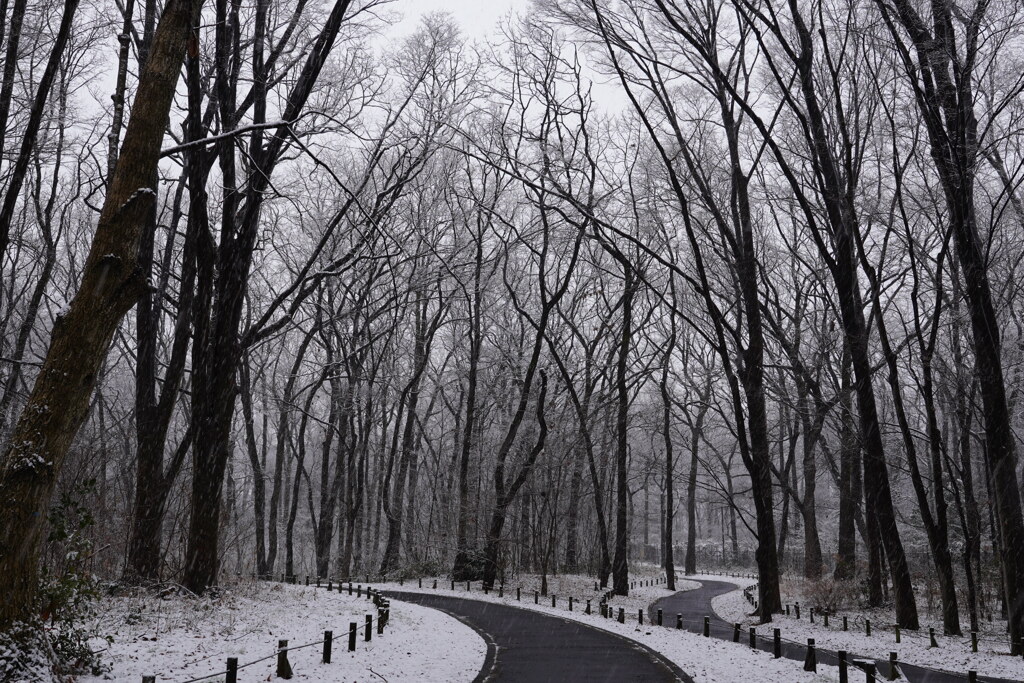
(694, 604)
(524, 646)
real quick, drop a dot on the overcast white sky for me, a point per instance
(477, 17)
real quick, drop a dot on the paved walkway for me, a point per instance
(524, 646)
(695, 604)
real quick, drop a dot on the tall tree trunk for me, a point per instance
(110, 286)
(620, 566)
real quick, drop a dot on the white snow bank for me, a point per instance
(181, 638)
(707, 660)
(952, 654)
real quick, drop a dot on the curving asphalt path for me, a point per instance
(695, 604)
(524, 646)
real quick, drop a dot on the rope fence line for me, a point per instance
(284, 669)
(867, 626)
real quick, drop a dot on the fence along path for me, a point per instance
(694, 613)
(283, 669)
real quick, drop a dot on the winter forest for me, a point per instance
(593, 298)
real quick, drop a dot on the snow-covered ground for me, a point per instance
(706, 659)
(953, 654)
(178, 639)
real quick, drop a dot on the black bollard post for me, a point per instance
(149, 679)
(468, 586)
(284, 668)
(517, 594)
(622, 615)
(453, 585)
(846, 624)
(380, 621)
(659, 617)
(230, 676)
(796, 608)
(867, 627)
(972, 677)
(811, 660)
(896, 627)
(753, 638)
(353, 629)
(707, 627)
(931, 637)
(570, 603)
(735, 633)
(844, 674)
(349, 587)
(328, 639)
(640, 617)
(869, 668)
(553, 598)
(679, 622)
(787, 610)
(811, 615)
(587, 611)
(435, 584)
(892, 667)
(330, 586)
(826, 618)
(421, 582)
(777, 642)
(368, 630)
(536, 597)
(974, 641)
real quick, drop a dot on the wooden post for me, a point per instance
(679, 622)
(353, 629)
(974, 641)
(826, 618)
(777, 642)
(149, 679)
(284, 668)
(359, 590)
(796, 608)
(553, 598)
(368, 630)
(380, 621)
(736, 633)
(868, 665)
(453, 584)
(811, 613)
(350, 588)
(811, 660)
(844, 674)
(931, 637)
(640, 616)
(421, 582)
(897, 627)
(846, 623)
(588, 607)
(972, 677)
(517, 593)
(501, 590)
(753, 638)
(659, 617)
(892, 667)
(536, 597)
(787, 609)
(328, 639)
(570, 603)
(622, 615)
(330, 587)
(435, 584)
(468, 586)
(867, 627)
(707, 627)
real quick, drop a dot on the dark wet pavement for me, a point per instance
(525, 646)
